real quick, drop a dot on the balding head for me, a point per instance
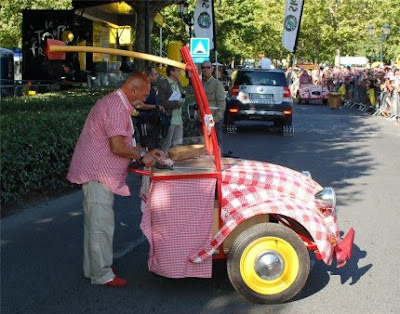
(136, 87)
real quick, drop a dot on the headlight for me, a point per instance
(328, 198)
(307, 174)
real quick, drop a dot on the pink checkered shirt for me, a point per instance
(92, 159)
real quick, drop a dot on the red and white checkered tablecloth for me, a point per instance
(251, 188)
(177, 221)
(306, 91)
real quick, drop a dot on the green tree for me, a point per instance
(11, 17)
(235, 29)
(329, 28)
(337, 28)
(153, 7)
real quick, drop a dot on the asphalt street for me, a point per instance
(356, 153)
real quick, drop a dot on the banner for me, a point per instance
(203, 21)
(291, 24)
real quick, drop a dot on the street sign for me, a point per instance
(200, 47)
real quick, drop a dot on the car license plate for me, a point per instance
(262, 112)
(262, 101)
(261, 98)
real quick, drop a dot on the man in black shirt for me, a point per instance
(148, 115)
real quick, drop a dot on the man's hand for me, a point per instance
(156, 153)
(138, 104)
(148, 160)
(151, 157)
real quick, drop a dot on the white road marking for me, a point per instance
(121, 253)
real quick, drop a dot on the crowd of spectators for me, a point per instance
(375, 90)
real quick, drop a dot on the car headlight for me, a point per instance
(327, 198)
(307, 174)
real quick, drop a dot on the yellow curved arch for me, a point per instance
(119, 52)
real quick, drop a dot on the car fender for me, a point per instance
(308, 217)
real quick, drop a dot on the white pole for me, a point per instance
(161, 41)
(216, 65)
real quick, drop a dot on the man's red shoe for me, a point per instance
(117, 282)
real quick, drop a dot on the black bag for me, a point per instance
(165, 122)
(149, 116)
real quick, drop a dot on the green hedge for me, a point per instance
(38, 136)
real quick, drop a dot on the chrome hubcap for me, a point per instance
(269, 265)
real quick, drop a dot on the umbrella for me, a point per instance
(376, 64)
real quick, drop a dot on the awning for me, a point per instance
(116, 12)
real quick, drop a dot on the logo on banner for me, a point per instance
(204, 20)
(290, 23)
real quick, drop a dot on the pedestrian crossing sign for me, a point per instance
(200, 47)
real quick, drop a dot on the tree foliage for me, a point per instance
(140, 8)
(11, 17)
(329, 28)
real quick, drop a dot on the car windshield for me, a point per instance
(260, 78)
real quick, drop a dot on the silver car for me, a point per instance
(259, 94)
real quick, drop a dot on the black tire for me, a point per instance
(268, 249)
(229, 123)
(288, 120)
(324, 101)
(284, 121)
(297, 98)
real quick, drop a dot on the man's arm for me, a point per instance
(220, 99)
(119, 147)
(164, 92)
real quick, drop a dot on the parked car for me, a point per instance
(260, 94)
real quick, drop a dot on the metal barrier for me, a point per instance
(385, 104)
(16, 89)
(359, 96)
(394, 101)
(40, 88)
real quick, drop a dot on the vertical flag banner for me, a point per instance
(291, 24)
(203, 21)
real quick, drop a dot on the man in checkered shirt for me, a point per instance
(100, 163)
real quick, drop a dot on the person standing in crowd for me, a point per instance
(215, 95)
(170, 93)
(147, 117)
(264, 63)
(234, 74)
(100, 163)
(305, 78)
(288, 75)
(390, 104)
(229, 72)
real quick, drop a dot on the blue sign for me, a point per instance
(200, 47)
(200, 60)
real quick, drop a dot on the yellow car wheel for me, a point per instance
(268, 263)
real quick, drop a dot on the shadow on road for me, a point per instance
(331, 144)
(320, 274)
